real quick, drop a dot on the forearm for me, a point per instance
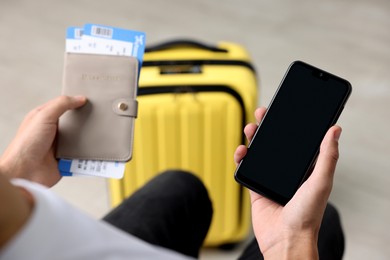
(44, 172)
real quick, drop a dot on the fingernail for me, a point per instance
(80, 98)
(337, 134)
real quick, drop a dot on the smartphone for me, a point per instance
(285, 146)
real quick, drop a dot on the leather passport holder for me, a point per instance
(103, 128)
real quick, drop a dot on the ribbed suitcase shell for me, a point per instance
(195, 125)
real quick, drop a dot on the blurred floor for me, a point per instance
(349, 38)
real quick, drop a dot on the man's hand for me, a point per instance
(31, 154)
(292, 230)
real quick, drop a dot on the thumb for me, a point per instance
(322, 176)
(52, 110)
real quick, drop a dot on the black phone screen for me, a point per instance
(307, 103)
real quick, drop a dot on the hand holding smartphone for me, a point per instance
(285, 146)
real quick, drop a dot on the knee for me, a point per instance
(184, 184)
(182, 175)
(331, 214)
(331, 222)
(331, 236)
(182, 181)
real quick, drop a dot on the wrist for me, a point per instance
(7, 170)
(4, 171)
(11, 166)
(294, 247)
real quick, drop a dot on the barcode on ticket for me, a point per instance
(101, 31)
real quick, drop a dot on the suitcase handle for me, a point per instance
(181, 42)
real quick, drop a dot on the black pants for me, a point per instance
(174, 211)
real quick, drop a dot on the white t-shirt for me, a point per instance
(58, 231)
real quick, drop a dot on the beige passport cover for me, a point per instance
(103, 128)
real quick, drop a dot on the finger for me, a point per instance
(250, 130)
(239, 153)
(259, 113)
(327, 160)
(53, 109)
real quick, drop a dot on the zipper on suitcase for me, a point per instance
(150, 90)
(198, 63)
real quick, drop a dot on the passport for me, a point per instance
(103, 128)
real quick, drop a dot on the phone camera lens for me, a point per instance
(321, 74)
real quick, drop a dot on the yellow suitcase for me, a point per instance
(194, 101)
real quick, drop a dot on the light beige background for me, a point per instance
(349, 38)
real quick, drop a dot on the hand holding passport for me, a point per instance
(102, 64)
